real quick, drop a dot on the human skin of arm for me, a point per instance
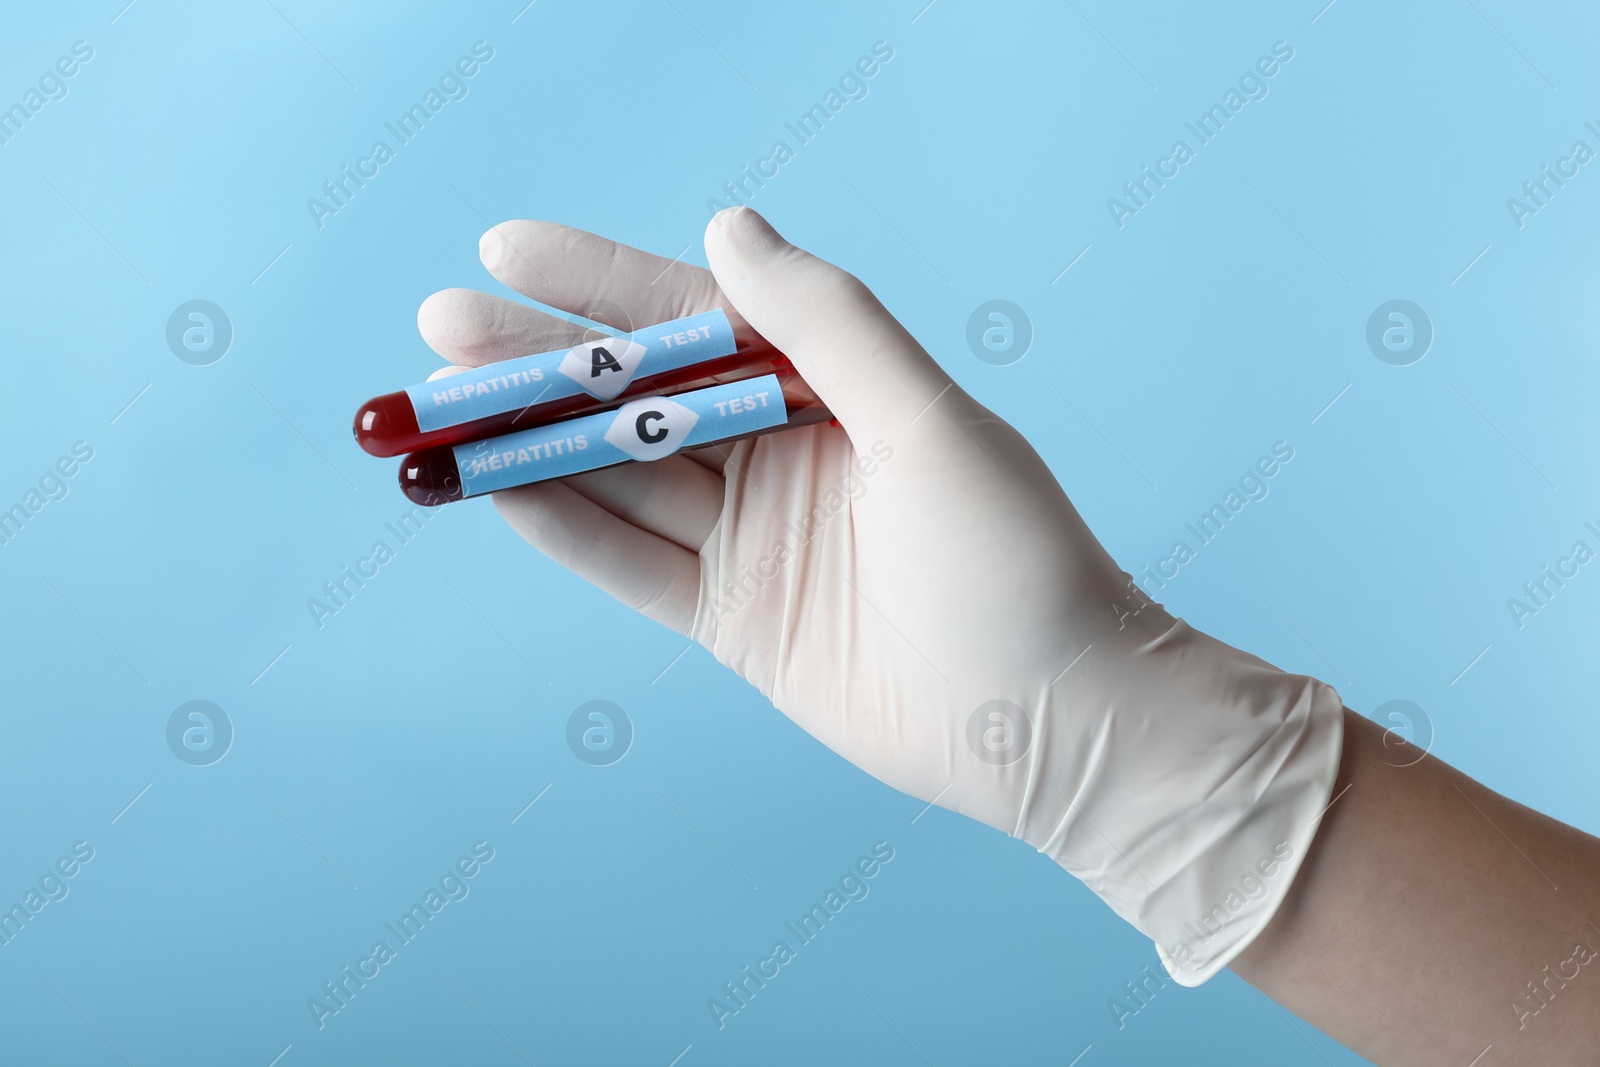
(1425, 907)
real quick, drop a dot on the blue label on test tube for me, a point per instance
(645, 429)
(601, 368)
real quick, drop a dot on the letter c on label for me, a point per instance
(647, 435)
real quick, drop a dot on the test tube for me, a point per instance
(641, 430)
(515, 394)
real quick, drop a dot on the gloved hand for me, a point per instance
(917, 592)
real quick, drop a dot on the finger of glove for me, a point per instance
(712, 457)
(872, 374)
(653, 576)
(603, 281)
(470, 328)
(674, 498)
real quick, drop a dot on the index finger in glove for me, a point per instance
(599, 279)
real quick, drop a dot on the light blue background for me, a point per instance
(425, 715)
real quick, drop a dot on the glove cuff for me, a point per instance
(1230, 891)
(1192, 822)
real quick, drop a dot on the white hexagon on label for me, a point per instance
(603, 368)
(651, 428)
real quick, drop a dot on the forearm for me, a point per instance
(1425, 908)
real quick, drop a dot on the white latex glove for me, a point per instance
(918, 593)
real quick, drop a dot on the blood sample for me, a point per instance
(643, 429)
(514, 394)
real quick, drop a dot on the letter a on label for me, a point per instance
(603, 368)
